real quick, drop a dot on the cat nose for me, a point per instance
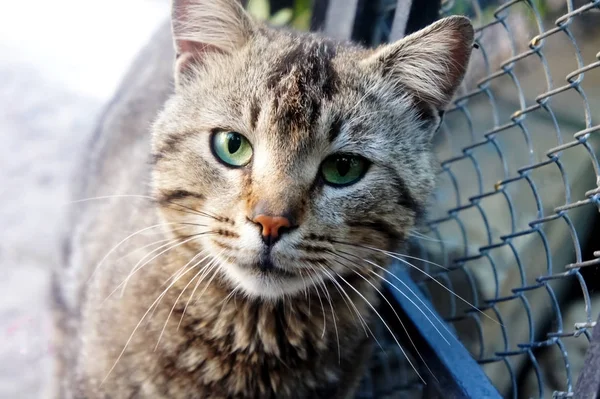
(272, 227)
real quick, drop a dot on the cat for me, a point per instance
(280, 169)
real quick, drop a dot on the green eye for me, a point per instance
(343, 169)
(231, 148)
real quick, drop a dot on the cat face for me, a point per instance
(286, 159)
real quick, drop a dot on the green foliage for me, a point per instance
(542, 7)
(260, 9)
(297, 16)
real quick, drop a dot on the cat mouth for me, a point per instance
(266, 277)
(266, 267)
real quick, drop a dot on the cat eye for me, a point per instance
(343, 169)
(231, 148)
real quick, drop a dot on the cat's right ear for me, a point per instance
(429, 64)
(201, 27)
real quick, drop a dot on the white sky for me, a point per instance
(83, 45)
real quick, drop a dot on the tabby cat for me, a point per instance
(244, 253)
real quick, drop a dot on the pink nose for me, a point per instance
(271, 226)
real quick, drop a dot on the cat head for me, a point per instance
(284, 159)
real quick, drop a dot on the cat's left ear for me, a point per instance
(201, 27)
(429, 64)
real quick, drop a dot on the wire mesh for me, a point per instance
(519, 193)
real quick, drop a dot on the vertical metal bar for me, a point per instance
(400, 19)
(319, 13)
(588, 384)
(339, 19)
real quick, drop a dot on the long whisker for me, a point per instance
(208, 268)
(367, 92)
(321, 302)
(417, 258)
(189, 210)
(342, 296)
(428, 275)
(113, 249)
(384, 323)
(137, 266)
(175, 303)
(362, 321)
(203, 213)
(110, 197)
(333, 316)
(231, 295)
(176, 275)
(140, 323)
(146, 197)
(148, 245)
(424, 237)
(393, 310)
(181, 270)
(390, 253)
(343, 293)
(200, 272)
(451, 292)
(306, 297)
(214, 268)
(406, 296)
(134, 271)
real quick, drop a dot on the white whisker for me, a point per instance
(393, 255)
(349, 301)
(146, 197)
(321, 302)
(132, 273)
(397, 317)
(333, 317)
(121, 243)
(407, 297)
(385, 324)
(421, 236)
(146, 246)
(110, 197)
(200, 271)
(208, 268)
(137, 266)
(138, 326)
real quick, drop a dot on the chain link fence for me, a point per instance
(514, 221)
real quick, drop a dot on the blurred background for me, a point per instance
(61, 61)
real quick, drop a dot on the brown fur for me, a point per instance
(201, 320)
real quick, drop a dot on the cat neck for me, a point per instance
(295, 344)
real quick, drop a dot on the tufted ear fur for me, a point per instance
(430, 64)
(207, 26)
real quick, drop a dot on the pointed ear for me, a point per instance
(201, 27)
(429, 64)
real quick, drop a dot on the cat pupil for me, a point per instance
(343, 166)
(234, 142)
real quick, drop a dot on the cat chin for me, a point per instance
(269, 286)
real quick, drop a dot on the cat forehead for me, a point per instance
(290, 86)
(295, 90)
(312, 87)
(301, 78)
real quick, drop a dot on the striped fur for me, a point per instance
(226, 328)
